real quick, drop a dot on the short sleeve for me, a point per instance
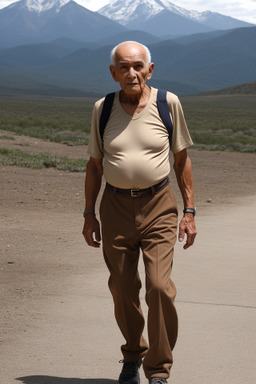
(95, 147)
(181, 138)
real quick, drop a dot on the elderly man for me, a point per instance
(138, 210)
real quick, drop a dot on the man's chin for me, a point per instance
(132, 88)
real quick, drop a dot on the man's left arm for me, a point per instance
(183, 170)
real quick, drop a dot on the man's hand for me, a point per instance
(91, 231)
(187, 226)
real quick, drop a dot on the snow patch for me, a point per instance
(124, 11)
(40, 6)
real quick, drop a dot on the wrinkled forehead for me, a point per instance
(131, 52)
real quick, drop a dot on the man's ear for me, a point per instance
(113, 72)
(150, 70)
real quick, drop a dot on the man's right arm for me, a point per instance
(91, 229)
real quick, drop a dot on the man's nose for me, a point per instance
(132, 72)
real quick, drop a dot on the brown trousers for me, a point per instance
(149, 224)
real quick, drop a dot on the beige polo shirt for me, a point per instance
(136, 148)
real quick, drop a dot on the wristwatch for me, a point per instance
(86, 213)
(190, 210)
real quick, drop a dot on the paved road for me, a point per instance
(60, 316)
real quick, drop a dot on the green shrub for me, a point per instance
(44, 160)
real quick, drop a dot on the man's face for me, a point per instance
(132, 69)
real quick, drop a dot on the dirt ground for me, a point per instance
(219, 176)
(46, 268)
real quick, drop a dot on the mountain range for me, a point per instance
(33, 21)
(185, 68)
(21, 23)
(59, 47)
(165, 19)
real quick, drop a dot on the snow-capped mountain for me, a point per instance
(32, 21)
(127, 11)
(161, 17)
(188, 65)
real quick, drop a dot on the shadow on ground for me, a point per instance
(62, 380)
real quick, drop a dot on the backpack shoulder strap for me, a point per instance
(161, 105)
(164, 112)
(106, 112)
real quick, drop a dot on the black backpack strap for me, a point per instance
(161, 105)
(106, 112)
(164, 112)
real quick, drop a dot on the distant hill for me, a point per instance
(240, 89)
(28, 86)
(213, 64)
(199, 37)
(142, 37)
(198, 66)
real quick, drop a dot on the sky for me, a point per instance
(239, 9)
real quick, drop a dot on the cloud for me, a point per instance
(5, 3)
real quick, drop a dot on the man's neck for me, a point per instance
(134, 104)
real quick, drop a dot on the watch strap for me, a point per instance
(190, 210)
(86, 213)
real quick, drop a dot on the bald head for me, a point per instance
(131, 46)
